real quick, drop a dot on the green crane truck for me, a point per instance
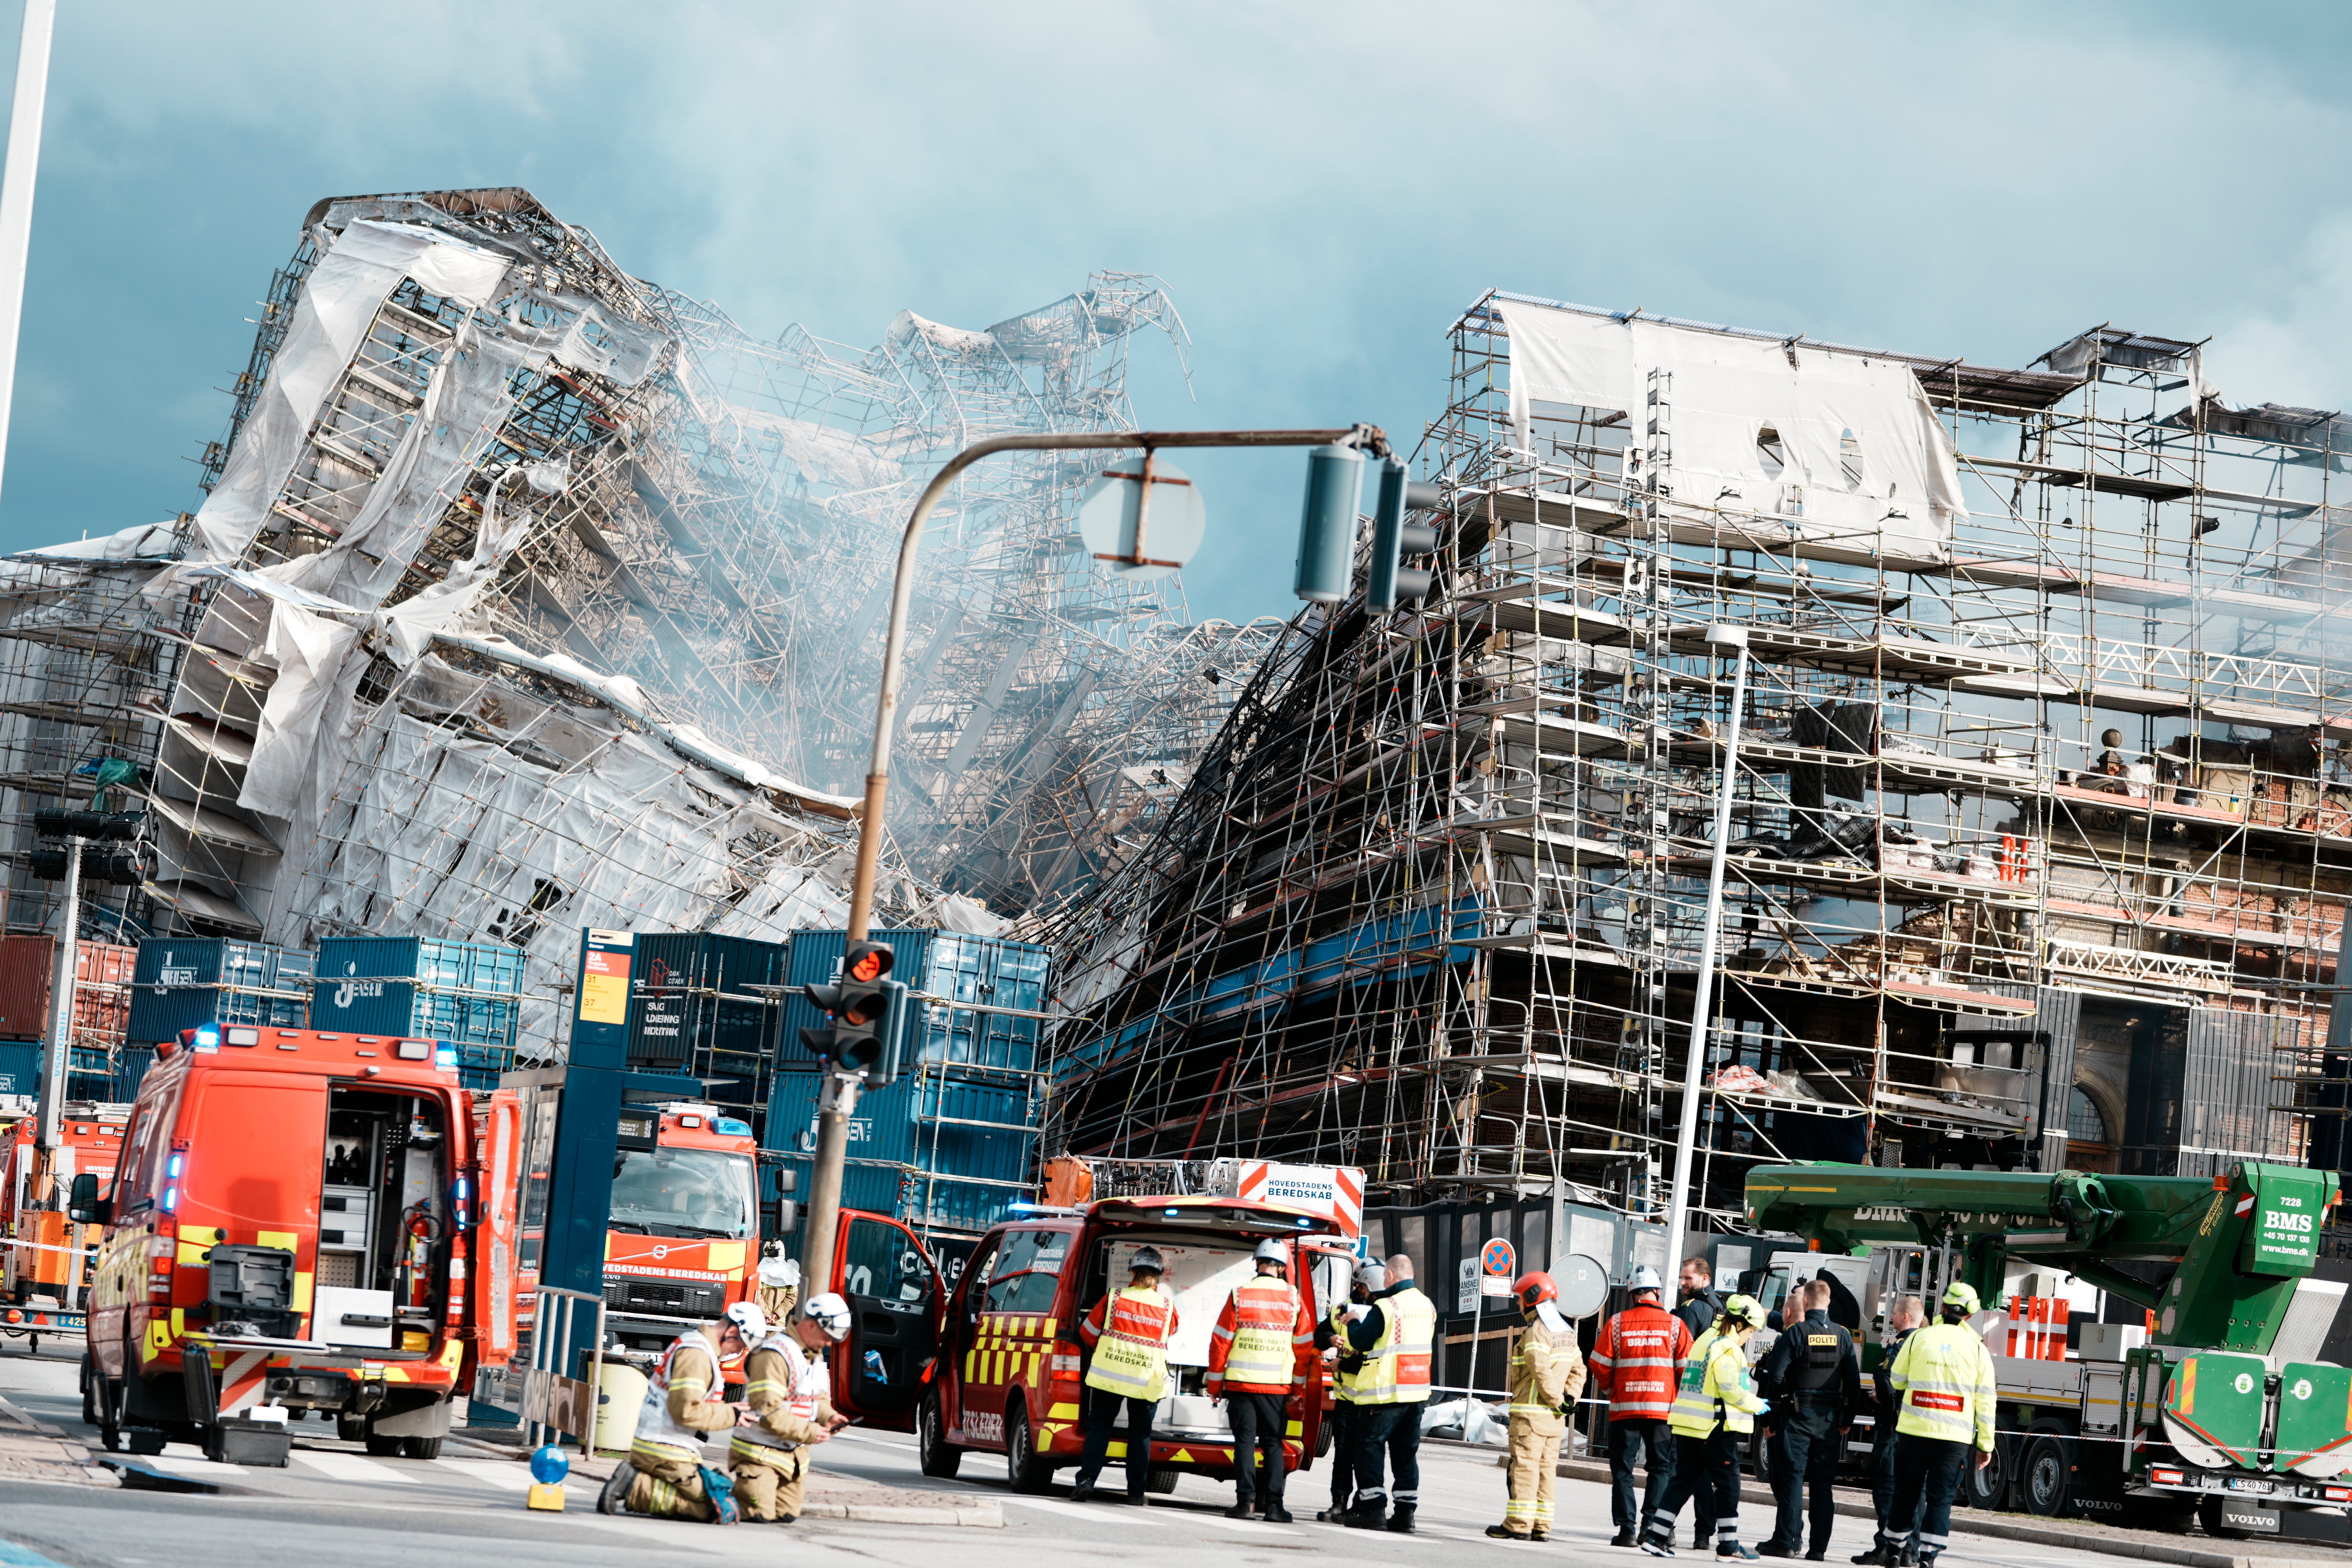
(2224, 1411)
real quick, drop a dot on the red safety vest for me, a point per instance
(1130, 1344)
(1636, 1361)
(1262, 1338)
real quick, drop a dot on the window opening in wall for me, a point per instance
(1770, 447)
(1850, 459)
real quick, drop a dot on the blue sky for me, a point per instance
(1323, 188)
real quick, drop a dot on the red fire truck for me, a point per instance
(44, 1256)
(289, 1230)
(683, 1242)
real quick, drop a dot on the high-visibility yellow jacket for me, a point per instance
(1130, 1331)
(1945, 1376)
(1716, 1390)
(1396, 1371)
(1547, 1371)
(1262, 1339)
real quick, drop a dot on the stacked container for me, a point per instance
(186, 983)
(464, 994)
(101, 1008)
(950, 1145)
(704, 1006)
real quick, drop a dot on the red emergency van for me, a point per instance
(288, 1231)
(1007, 1376)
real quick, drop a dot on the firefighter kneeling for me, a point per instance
(666, 1476)
(1546, 1374)
(788, 1396)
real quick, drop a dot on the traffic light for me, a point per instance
(1393, 583)
(1327, 532)
(867, 1013)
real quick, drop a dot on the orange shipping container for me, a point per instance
(103, 972)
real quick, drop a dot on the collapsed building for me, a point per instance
(2040, 824)
(528, 596)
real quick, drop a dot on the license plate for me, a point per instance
(2243, 1484)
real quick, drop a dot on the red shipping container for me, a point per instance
(103, 972)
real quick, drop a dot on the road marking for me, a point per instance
(193, 1465)
(1112, 1514)
(1248, 1526)
(351, 1467)
(15, 1556)
(504, 1474)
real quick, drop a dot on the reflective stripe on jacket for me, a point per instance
(1716, 1390)
(677, 1371)
(790, 1392)
(1131, 1342)
(1262, 1339)
(1343, 1382)
(1547, 1371)
(1637, 1361)
(1946, 1379)
(1396, 1371)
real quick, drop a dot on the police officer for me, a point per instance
(1886, 1546)
(1945, 1376)
(788, 1407)
(1347, 1371)
(1257, 1354)
(1546, 1375)
(1814, 1378)
(1715, 1408)
(1636, 1362)
(1699, 1306)
(1129, 1332)
(1394, 1336)
(666, 1475)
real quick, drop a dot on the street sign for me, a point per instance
(1583, 1285)
(1142, 518)
(1497, 1257)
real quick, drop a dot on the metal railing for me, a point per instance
(552, 1402)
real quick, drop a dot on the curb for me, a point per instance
(73, 1466)
(2073, 1537)
(985, 1515)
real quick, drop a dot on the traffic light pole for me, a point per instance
(838, 1098)
(51, 1118)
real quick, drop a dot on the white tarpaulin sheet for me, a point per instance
(1830, 443)
(341, 296)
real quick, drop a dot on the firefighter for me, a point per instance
(788, 1407)
(1347, 1371)
(1128, 1333)
(1257, 1356)
(780, 1287)
(666, 1475)
(1636, 1362)
(1714, 1407)
(1394, 1336)
(1945, 1376)
(1546, 1375)
(1814, 1377)
(1887, 1545)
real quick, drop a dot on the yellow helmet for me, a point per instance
(1960, 1293)
(1745, 1309)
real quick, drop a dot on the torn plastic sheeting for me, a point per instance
(339, 300)
(686, 740)
(1721, 393)
(141, 543)
(310, 651)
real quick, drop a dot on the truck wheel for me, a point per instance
(1023, 1469)
(420, 1447)
(2048, 1477)
(1162, 1481)
(383, 1448)
(1987, 1487)
(937, 1456)
(2209, 1514)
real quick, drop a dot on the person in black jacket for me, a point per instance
(1344, 1412)
(1908, 1313)
(1698, 1308)
(1813, 1378)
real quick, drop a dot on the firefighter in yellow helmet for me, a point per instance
(1715, 1408)
(788, 1408)
(1546, 1375)
(1943, 1376)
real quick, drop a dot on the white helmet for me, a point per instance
(748, 1316)
(829, 1312)
(777, 1272)
(1643, 1278)
(1272, 1251)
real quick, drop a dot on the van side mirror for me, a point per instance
(83, 1205)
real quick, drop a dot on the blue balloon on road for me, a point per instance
(548, 1465)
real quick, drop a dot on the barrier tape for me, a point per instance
(44, 1247)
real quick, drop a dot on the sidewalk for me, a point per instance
(30, 1451)
(2078, 1534)
(830, 1496)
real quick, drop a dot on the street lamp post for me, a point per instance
(1733, 640)
(837, 1096)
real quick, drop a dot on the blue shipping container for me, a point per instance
(20, 1066)
(206, 960)
(989, 971)
(463, 992)
(183, 984)
(434, 962)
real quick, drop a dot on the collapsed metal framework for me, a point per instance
(2042, 823)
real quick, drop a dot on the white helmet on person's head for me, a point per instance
(747, 1319)
(827, 1311)
(1272, 1251)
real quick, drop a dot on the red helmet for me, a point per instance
(1533, 1287)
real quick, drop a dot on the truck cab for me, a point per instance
(49, 1267)
(289, 1230)
(683, 1243)
(1010, 1361)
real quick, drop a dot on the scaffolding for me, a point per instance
(2041, 817)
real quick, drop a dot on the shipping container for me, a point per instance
(184, 983)
(103, 973)
(464, 993)
(695, 1008)
(950, 1145)
(20, 1066)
